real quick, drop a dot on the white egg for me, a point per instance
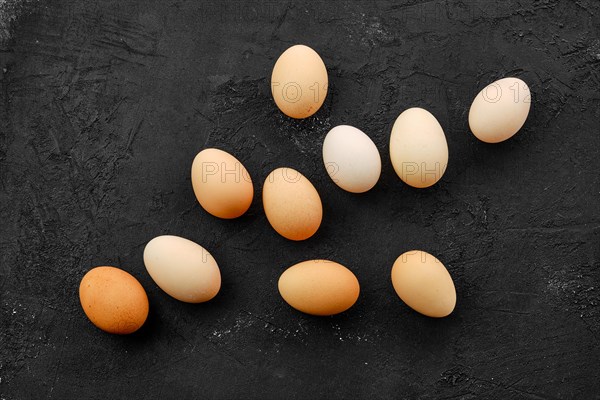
(351, 159)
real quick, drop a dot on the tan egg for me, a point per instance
(500, 110)
(221, 183)
(418, 148)
(319, 287)
(292, 204)
(424, 284)
(113, 300)
(299, 82)
(182, 268)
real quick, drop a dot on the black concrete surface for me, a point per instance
(103, 105)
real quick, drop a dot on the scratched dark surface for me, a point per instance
(104, 104)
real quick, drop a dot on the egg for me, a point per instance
(292, 205)
(182, 268)
(113, 300)
(221, 183)
(299, 82)
(500, 110)
(351, 159)
(319, 287)
(418, 148)
(424, 284)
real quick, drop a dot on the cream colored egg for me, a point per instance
(418, 148)
(221, 183)
(319, 287)
(182, 268)
(299, 82)
(500, 110)
(292, 204)
(351, 159)
(424, 284)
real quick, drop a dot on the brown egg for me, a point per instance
(292, 204)
(319, 287)
(299, 82)
(221, 183)
(113, 300)
(424, 284)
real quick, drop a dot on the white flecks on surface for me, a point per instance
(10, 10)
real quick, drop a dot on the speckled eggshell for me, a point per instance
(319, 287)
(292, 204)
(299, 82)
(113, 300)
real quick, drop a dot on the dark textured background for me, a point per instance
(104, 104)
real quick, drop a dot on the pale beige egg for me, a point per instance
(418, 148)
(299, 82)
(292, 204)
(221, 183)
(319, 287)
(500, 110)
(424, 284)
(183, 269)
(351, 159)
(113, 300)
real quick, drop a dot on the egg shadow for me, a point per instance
(423, 332)
(149, 332)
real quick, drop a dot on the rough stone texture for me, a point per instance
(104, 104)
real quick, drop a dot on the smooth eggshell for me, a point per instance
(418, 148)
(500, 110)
(292, 204)
(351, 159)
(113, 300)
(319, 287)
(221, 183)
(182, 268)
(424, 284)
(299, 82)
